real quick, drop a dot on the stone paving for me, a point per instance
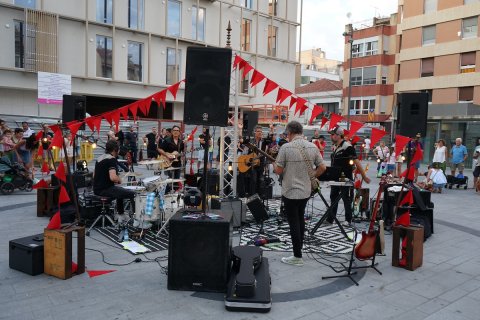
(447, 286)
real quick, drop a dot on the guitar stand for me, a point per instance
(327, 213)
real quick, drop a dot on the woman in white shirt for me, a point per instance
(441, 155)
(437, 178)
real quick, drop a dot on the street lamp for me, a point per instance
(350, 40)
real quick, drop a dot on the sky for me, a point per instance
(324, 21)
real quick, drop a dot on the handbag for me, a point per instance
(315, 183)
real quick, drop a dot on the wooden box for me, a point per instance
(47, 201)
(414, 247)
(58, 252)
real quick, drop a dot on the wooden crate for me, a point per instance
(414, 247)
(47, 201)
(58, 252)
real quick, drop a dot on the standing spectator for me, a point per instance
(27, 132)
(319, 141)
(381, 152)
(391, 160)
(131, 143)
(366, 149)
(476, 164)
(459, 155)
(441, 155)
(151, 140)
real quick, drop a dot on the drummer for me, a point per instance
(106, 176)
(170, 145)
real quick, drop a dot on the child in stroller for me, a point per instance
(13, 176)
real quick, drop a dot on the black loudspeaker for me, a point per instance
(74, 108)
(250, 121)
(256, 207)
(412, 114)
(199, 252)
(207, 86)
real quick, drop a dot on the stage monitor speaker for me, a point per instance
(250, 121)
(199, 252)
(207, 87)
(256, 207)
(412, 114)
(74, 108)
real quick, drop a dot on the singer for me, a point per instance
(296, 161)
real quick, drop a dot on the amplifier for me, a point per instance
(233, 206)
(26, 254)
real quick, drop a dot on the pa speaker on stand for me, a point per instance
(74, 108)
(412, 114)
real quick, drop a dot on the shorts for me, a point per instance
(390, 167)
(460, 166)
(24, 155)
(476, 172)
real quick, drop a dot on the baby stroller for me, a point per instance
(13, 176)
(459, 181)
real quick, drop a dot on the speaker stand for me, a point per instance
(205, 169)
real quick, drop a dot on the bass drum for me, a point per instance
(141, 213)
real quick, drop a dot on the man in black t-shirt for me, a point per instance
(171, 145)
(131, 143)
(341, 158)
(151, 140)
(106, 176)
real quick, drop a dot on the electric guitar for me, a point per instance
(366, 248)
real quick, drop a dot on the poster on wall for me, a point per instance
(52, 87)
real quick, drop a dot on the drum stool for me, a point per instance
(107, 205)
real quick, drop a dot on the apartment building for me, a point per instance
(370, 53)
(122, 50)
(438, 50)
(314, 65)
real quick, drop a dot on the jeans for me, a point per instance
(173, 174)
(347, 198)
(295, 209)
(119, 194)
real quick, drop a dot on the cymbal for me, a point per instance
(173, 180)
(133, 174)
(147, 162)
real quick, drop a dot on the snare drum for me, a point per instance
(152, 183)
(140, 205)
(136, 189)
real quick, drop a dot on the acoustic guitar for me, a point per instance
(366, 248)
(245, 162)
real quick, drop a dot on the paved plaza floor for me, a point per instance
(447, 286)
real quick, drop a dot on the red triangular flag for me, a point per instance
(377, 134)
(355, 140)
(40, 151)
(241, 64)
(124, 112)
(299, 105)
(57, 140)
(411, 173)
(354, 127)
(173, 89)
(60, 174)
(269, 86)
(63, 197)
(108, 117)
(418, 155)
(134, 110)
(334, 119)
(162, 97)
(407, 199)
(303, 107)
(400, 143)
(282, 95)
(324, 120)
(403, 220)
(56, 222)
(315, 112)
(90, 123)
(192, 134)
(116, 118)
(45, 168)
(256, 78)
(96, 273)
(236, 61)
(346, 133)
(39, 135)
(40, 184)
(54, 127)
(74, 126)
(246, 69)
(293, 100)
(357, 184)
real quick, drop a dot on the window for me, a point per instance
(357, 50)
(104, 56)
(356, 77)
(19, 44)
(368, 106)
(246, 34)
(370, 75)
(470, 1)
(469, 27)
(429, 6)
(467, 62)
(104, 11)
(427, 67)
(359, 107)
(272, 41)
(173, 65)
(134, 61)
(198, 30)
(465, 94)
(371, 48)
(31, 4)
(244, 85)
(428, 35)
(135, 14)
(384, 75)
(174, 19)
(272, 7)
(246, 3)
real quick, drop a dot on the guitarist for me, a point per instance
(296, 184)
(343, 153)
(256, 173)
(170, 145)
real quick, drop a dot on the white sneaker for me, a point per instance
(294, 261)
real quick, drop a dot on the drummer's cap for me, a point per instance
(337, 130)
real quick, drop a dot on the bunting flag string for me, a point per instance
(315, 112)
(400, 143)
(269, 86)
(334, 120)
